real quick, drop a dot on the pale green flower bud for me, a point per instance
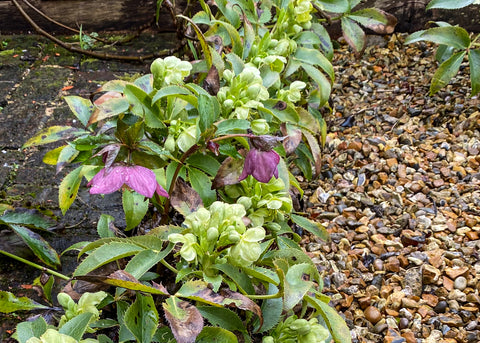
(234, 236)
(253, 90)
(170, 143)
(260, 126)
(245, 201)
(228, 75)
(268, 339)
(300, 326)
(212, 234)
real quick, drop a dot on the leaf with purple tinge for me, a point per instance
(185, 320)
(184, 198)
(228, 173)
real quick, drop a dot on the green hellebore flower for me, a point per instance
(247, 250)
(187, 251)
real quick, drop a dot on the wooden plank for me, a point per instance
(92, 15)
(117, 15)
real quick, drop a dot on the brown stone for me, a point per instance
(438, 183)
(391, 162)
(430, 299)
(409, 337)
(447, 283)
(430, 274)
(472, 235)
(355, 145)
(372, 314)
(392, 264)
(455, 272)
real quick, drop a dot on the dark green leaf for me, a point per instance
(105, 227)
(27, 219)
(236, 61)
(454, 36)
(353, 34)
(448, 4)
(315, 57)
(170, 90)
(237, 46)
(298, 281)
(336, 325)
(222, 317)
(27, 330)
(446, 72)
(208, 111)
(474, 60)
(229, 126)
(324, 85)
(135, 207)
(325, 44)
(272, 310)
(202, 185)
(106, 253)
(240, 278)
(142, 106)
(206, 163)
(335, 6)
(280, 111)
(310, 226)
(141, 318)
(376, 20)
(216, 335)
(76, 326)
(146, 259)
(38, 245)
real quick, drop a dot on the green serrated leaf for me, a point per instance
(335, 6)
(216, 335)
(202, 185)
(240, 278)
(237, 46)
(336, 325)
(298, 281)
(135, 207)
(315, 57)
(448, 4)
(474, 60)
(76, 326)
(141, 318)
(446, 72)
(454, 36)
(222, 317)
(353, 34)
(104, 254)
(143, 106)
(272, 310)
(38, 245)
(54, 134)
(26, 330)
(324, 85)
(81, 108)
(27, 219)
(146, 259)
(310, 226)
(10, 303)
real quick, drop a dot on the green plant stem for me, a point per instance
(233, 135)
(169, 266)
(44, 269)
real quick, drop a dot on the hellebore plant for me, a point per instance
(180, 139)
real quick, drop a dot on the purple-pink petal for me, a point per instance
(160, 191)
(108, 182)
(262, 165)
(142, 180)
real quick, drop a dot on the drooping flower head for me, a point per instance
(142, 180)
(262, 161)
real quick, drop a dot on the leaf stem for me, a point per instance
(44, 269)
(169, 266)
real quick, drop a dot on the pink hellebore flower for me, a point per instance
(261, 161)
(142, 180)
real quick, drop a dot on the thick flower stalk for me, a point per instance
(142, 180)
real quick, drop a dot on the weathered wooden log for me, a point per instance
(118, 15)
